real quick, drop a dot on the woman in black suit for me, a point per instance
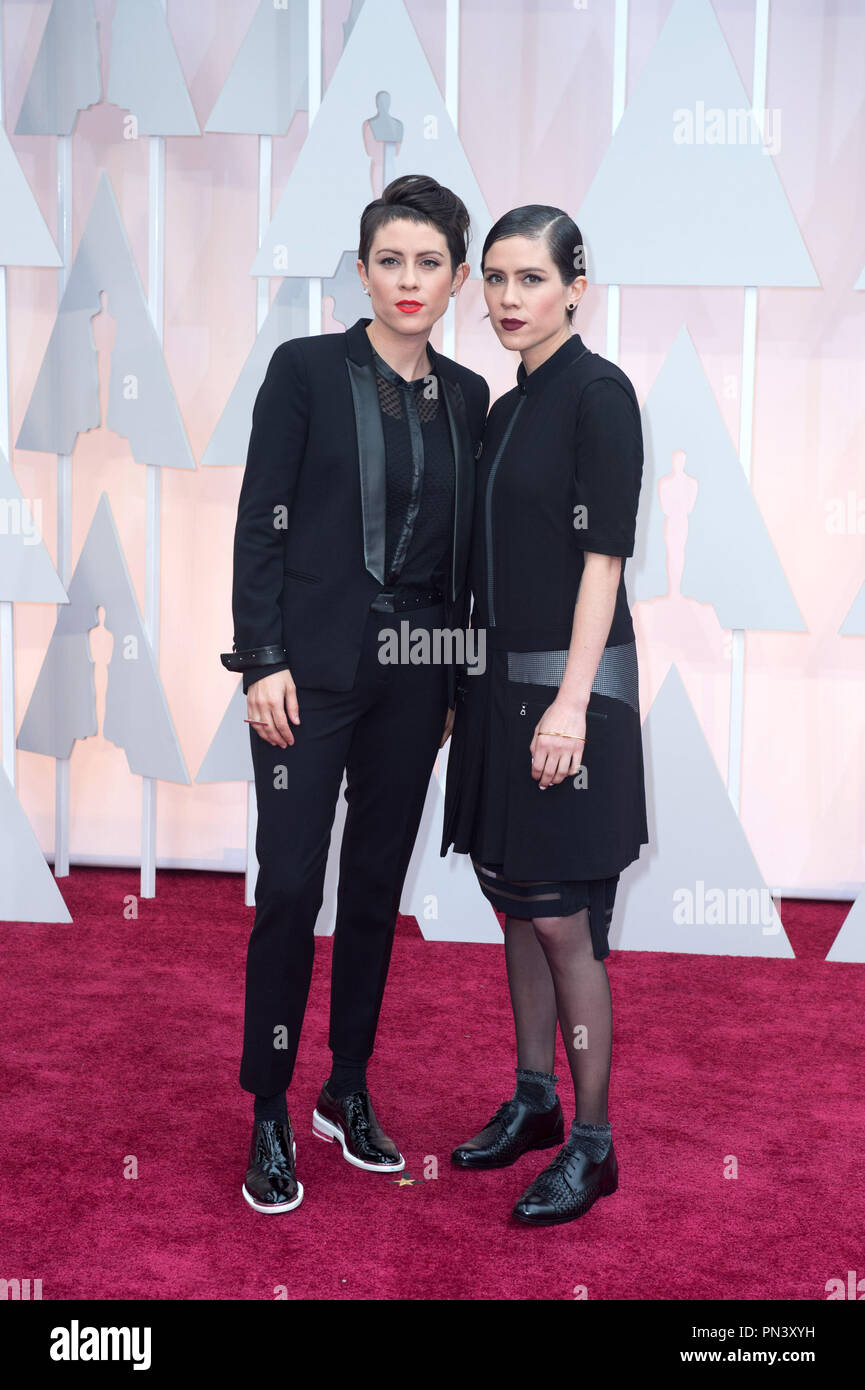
(354, 516)
(545, 786)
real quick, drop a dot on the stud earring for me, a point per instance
(572, 306)
(366, 289)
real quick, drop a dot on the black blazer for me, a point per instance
(310, 533)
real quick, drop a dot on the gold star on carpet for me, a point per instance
(404, 1182)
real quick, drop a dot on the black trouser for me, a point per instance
(385, 733)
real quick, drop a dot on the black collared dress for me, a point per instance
(559, 475)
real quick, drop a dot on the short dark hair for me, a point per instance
(558, 230)
(420, 199)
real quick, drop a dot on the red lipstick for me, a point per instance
(511, 325)
(409, 306)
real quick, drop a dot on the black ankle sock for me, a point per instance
(271, 1107)
(594, 1140)
(536, 1089)
(346, 1077)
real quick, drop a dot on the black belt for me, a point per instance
(405, 597)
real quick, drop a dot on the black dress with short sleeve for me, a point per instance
(559, 475)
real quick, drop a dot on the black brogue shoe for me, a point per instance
(512, 1131)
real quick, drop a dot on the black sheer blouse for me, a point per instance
(420, 478)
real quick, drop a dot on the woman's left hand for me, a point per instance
(553, 757)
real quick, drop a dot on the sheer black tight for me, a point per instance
(554, 978)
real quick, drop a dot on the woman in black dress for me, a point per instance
(545, 785)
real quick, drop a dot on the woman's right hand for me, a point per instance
(266, 704)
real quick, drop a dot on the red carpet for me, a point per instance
(121, 1049)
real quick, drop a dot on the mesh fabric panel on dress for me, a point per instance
(617, 675)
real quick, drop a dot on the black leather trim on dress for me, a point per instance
(464, 481)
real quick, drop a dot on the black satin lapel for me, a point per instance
(464, 492)
(371, 460)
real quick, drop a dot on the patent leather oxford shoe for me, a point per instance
(568, 1187)
(512, 1131)
(353, 1124)
(270, 1183)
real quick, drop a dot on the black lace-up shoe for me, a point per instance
(353, 1123)
(270, 1183)
(512, 1131)
(568, 1187)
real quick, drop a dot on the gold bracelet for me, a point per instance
(581, 737)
